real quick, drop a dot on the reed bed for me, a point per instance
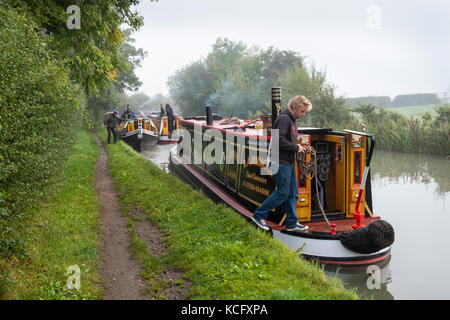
(394, 132)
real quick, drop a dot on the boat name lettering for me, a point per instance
(257, 189)
(253, 176)
(232, 174)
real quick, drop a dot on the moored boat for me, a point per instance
(229, 162)
(161, 122)
(140, 133)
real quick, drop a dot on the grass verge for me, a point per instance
(151, 266)
(224, 256)
(60, 232)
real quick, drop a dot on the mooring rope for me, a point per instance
(309, 168)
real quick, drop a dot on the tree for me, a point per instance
(327, 107)
(93, 51)
(136, 99)
(278, 62)
(114, 97)
(132, 57)
(190, 88)
(443, 114)
(221, 60)
(234, 78)
(367, 111)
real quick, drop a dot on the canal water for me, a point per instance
(159, 155)
(412, 192)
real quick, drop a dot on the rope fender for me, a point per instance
(372, 238)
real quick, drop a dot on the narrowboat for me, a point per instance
(140, 133)
(161, 122)
(229, 162)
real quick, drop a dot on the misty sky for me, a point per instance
(366, 47)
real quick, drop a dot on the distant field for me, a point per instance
(415, 111)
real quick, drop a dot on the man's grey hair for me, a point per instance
(298, 101)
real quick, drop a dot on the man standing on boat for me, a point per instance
(286, 178)
(170, 118)
(127, 113)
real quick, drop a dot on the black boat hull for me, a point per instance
(142, 141)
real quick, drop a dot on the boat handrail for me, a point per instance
(372, 143)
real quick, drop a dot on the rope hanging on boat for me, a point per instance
(233, 120)
(309, 170)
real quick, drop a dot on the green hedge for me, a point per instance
(40, 111)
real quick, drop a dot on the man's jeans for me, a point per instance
(287, 192)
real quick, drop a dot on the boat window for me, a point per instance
(301, 181)
(357, 168)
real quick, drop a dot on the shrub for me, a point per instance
(40, 110)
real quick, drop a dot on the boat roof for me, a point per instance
(242, 130)
(236, 129)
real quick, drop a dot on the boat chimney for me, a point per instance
(209, 118)
(276, 103)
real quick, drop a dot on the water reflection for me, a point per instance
(159, 155)
(371, 281)
(412, 168)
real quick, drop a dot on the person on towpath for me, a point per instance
(285, 178)
(112, 119)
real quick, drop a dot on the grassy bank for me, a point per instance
(60, 232)
(224, 256)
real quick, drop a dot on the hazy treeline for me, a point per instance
(236, 80)
(48, 72)
(403, 100)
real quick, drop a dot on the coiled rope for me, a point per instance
(309, 170)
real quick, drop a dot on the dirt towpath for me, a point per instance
(119, 271)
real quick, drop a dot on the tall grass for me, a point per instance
(394, 132)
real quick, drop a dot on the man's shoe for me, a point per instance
(298, 227)
(261, 223)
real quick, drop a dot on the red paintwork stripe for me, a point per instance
(357, 262)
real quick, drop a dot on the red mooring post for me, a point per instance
(358, 216)
(333, 228)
